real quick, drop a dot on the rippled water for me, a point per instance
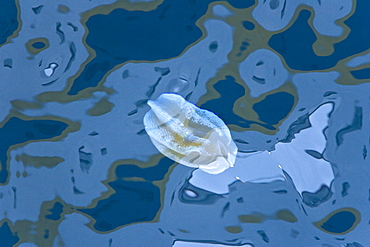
(289, 79)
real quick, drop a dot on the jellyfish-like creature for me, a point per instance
(189, 135)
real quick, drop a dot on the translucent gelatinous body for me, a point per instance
(189, 135)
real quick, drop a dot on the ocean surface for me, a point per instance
(288, 77)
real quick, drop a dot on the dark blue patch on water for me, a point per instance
(17, 131)
(361, 73)
(132, 202)
(339, 222)
(295, 43)
(248, 25)
(38, 45)
(7, 238)
(223, 107)
(8, 20)
(274, 107)
(123, 35)
(56, 212)
(230, 91)
(241, 4)
(151, 173)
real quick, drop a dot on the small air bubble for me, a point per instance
(49, 71)
(190, 193)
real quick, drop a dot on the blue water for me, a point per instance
(73, 113)
(295, 43)
(339, 222)
(8, 20)
(17, 131)
(38, 45)
(6, 236)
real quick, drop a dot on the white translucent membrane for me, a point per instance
(189, 135)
